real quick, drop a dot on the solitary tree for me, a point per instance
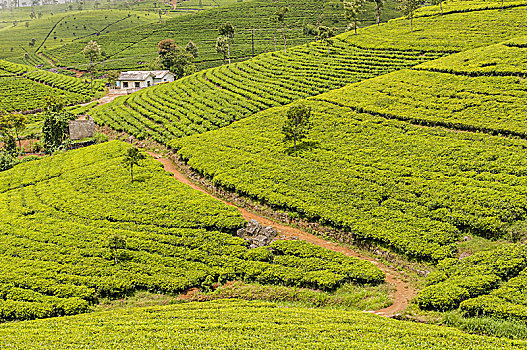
(325, 34)
(92, 52)
(352, 10)
(221, 47)
(11, 125)
(55, 127)
(379, 5)
(116, 242)
(227, 31)
(279, 17)
(408, 8)
(297, 124)
(133, 157)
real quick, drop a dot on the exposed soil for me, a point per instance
(402, 293)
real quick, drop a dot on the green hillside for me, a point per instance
(217, 97)
(136, 47)
(238, 325)
(58, 216)
(25, 88)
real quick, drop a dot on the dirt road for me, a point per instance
(403, 292)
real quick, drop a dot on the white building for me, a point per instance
(140, 79)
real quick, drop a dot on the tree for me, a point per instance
(227, 31)
(325, 34)
(279, 17)
(11, 125)
(192, 49)
(133, 157)
(440, 3)
(408, 8)
(175, 58)
(112, 77)
(352, 10)
(116, 242)
(379, 5)
(221, 47)
(92, 52)
(55, 127)
(297, 124)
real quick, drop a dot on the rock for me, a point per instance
(256, 234)
(467, 238)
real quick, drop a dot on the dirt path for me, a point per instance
(403, 292)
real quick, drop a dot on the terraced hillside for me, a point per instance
(234, 324)
(217, 97)
(137, 47)
(74, 229)
(62, 28)
(25, 88)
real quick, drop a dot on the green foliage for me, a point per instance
(488, 283)
(25, 88)
(58, 215)
(132, 49)
(215, 98)
(297, 124)
(261, 325)
(55, 128)
(132, 158)
(7, 161)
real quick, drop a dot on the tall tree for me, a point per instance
(408, 8)
(55, 127)
(12, 125)
(279, 17)
(221, 47)
(379, 5)
(228, 31)
(297, 124)
(92, 52)
(352, 10)
(325, 34)
(132, 158)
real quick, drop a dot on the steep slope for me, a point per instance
(217, 97)
(137, 47)
(74, 228)
(26, 88)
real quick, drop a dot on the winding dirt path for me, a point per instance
(402, 293)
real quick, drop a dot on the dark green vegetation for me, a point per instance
(136, 47)
(60, 214)
(239, 324)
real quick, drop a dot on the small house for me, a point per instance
(141, 79)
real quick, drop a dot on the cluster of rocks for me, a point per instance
(256, 234)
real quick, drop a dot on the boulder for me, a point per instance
(256, 234)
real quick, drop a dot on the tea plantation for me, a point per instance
(232, 324)
(59, 215)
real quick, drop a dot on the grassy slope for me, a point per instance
(58, 214)
(127, 48)
(403, 177)
(234, 325)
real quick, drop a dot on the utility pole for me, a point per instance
(252, 39)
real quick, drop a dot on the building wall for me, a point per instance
(132, 84)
